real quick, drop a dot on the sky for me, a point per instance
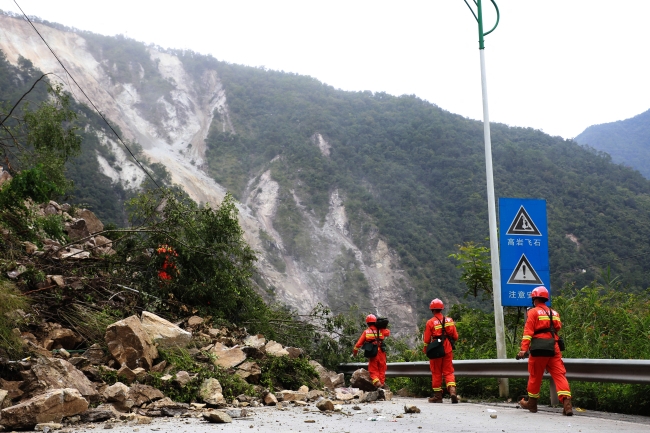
(555, 65)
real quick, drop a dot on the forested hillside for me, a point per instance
(628, 141)
(415, 173)
(91, 187)
(398, 170)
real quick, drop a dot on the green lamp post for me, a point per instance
(494, 242)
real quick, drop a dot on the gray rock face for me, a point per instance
(361, 379)
(51, 406)
(129, 344)
(164, 333)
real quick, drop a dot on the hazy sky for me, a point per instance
(555, 65)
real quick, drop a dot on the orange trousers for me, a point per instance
(377, 368)
(555, 366)
(442, 367)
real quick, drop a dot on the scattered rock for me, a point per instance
(270, 400)
(294, 352)
(255, 341)
(50, 406)
(227, 357)
(211, 392)
(249, 371)
(194, 321)
(47, 426)
(369, 396)
(182, 378)
(275, 349)
(315, 394)
(93, 224)
(94, 354)
(411, 409)
(325, 404)
(129, 344)
(126, 374)
(385, 394)
(30, 248)
(329, 378)
(287, 395)
(141, 394)
(57, 373)
(98, 414)
(164, 333)
(217, 416)
(361, 379)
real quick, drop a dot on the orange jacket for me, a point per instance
(434, 329)
(538, 318)
(371, 334)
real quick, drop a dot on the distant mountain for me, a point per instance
(627, 141)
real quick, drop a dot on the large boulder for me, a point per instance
(275, 349)
(164, 333)
(93, 224)
(77, 230)
(59, 373)
(141, 394)
(211, 392)
(227, 357)
(119, 395)
(63, 337)
(288, 395)
(129, 343)
(51, 406)
(249, 371)
(329, 378)
(361, 379)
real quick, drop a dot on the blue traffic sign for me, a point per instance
(523, 249)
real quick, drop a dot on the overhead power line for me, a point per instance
(87, 97)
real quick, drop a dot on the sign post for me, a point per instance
(524, 249)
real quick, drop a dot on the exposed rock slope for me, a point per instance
(172, 132)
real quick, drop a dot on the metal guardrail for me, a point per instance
(582, 370)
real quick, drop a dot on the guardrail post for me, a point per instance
(554, 398)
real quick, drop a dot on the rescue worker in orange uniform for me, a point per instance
(441, 366)
(376, 364)
(540, 319)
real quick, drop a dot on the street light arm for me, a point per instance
(498, 16)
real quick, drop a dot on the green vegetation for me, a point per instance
(12, 302)
(283, 372)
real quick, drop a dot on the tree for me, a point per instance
(477, 271)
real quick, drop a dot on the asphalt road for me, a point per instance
(390, 417)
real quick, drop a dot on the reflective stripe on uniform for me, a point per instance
(530, 394)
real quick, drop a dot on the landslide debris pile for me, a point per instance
(78, 363)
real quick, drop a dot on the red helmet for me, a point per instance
(371, 318)
(539, 292)
(436, 304)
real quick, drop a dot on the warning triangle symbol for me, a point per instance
(523, 225)
(524, 273)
